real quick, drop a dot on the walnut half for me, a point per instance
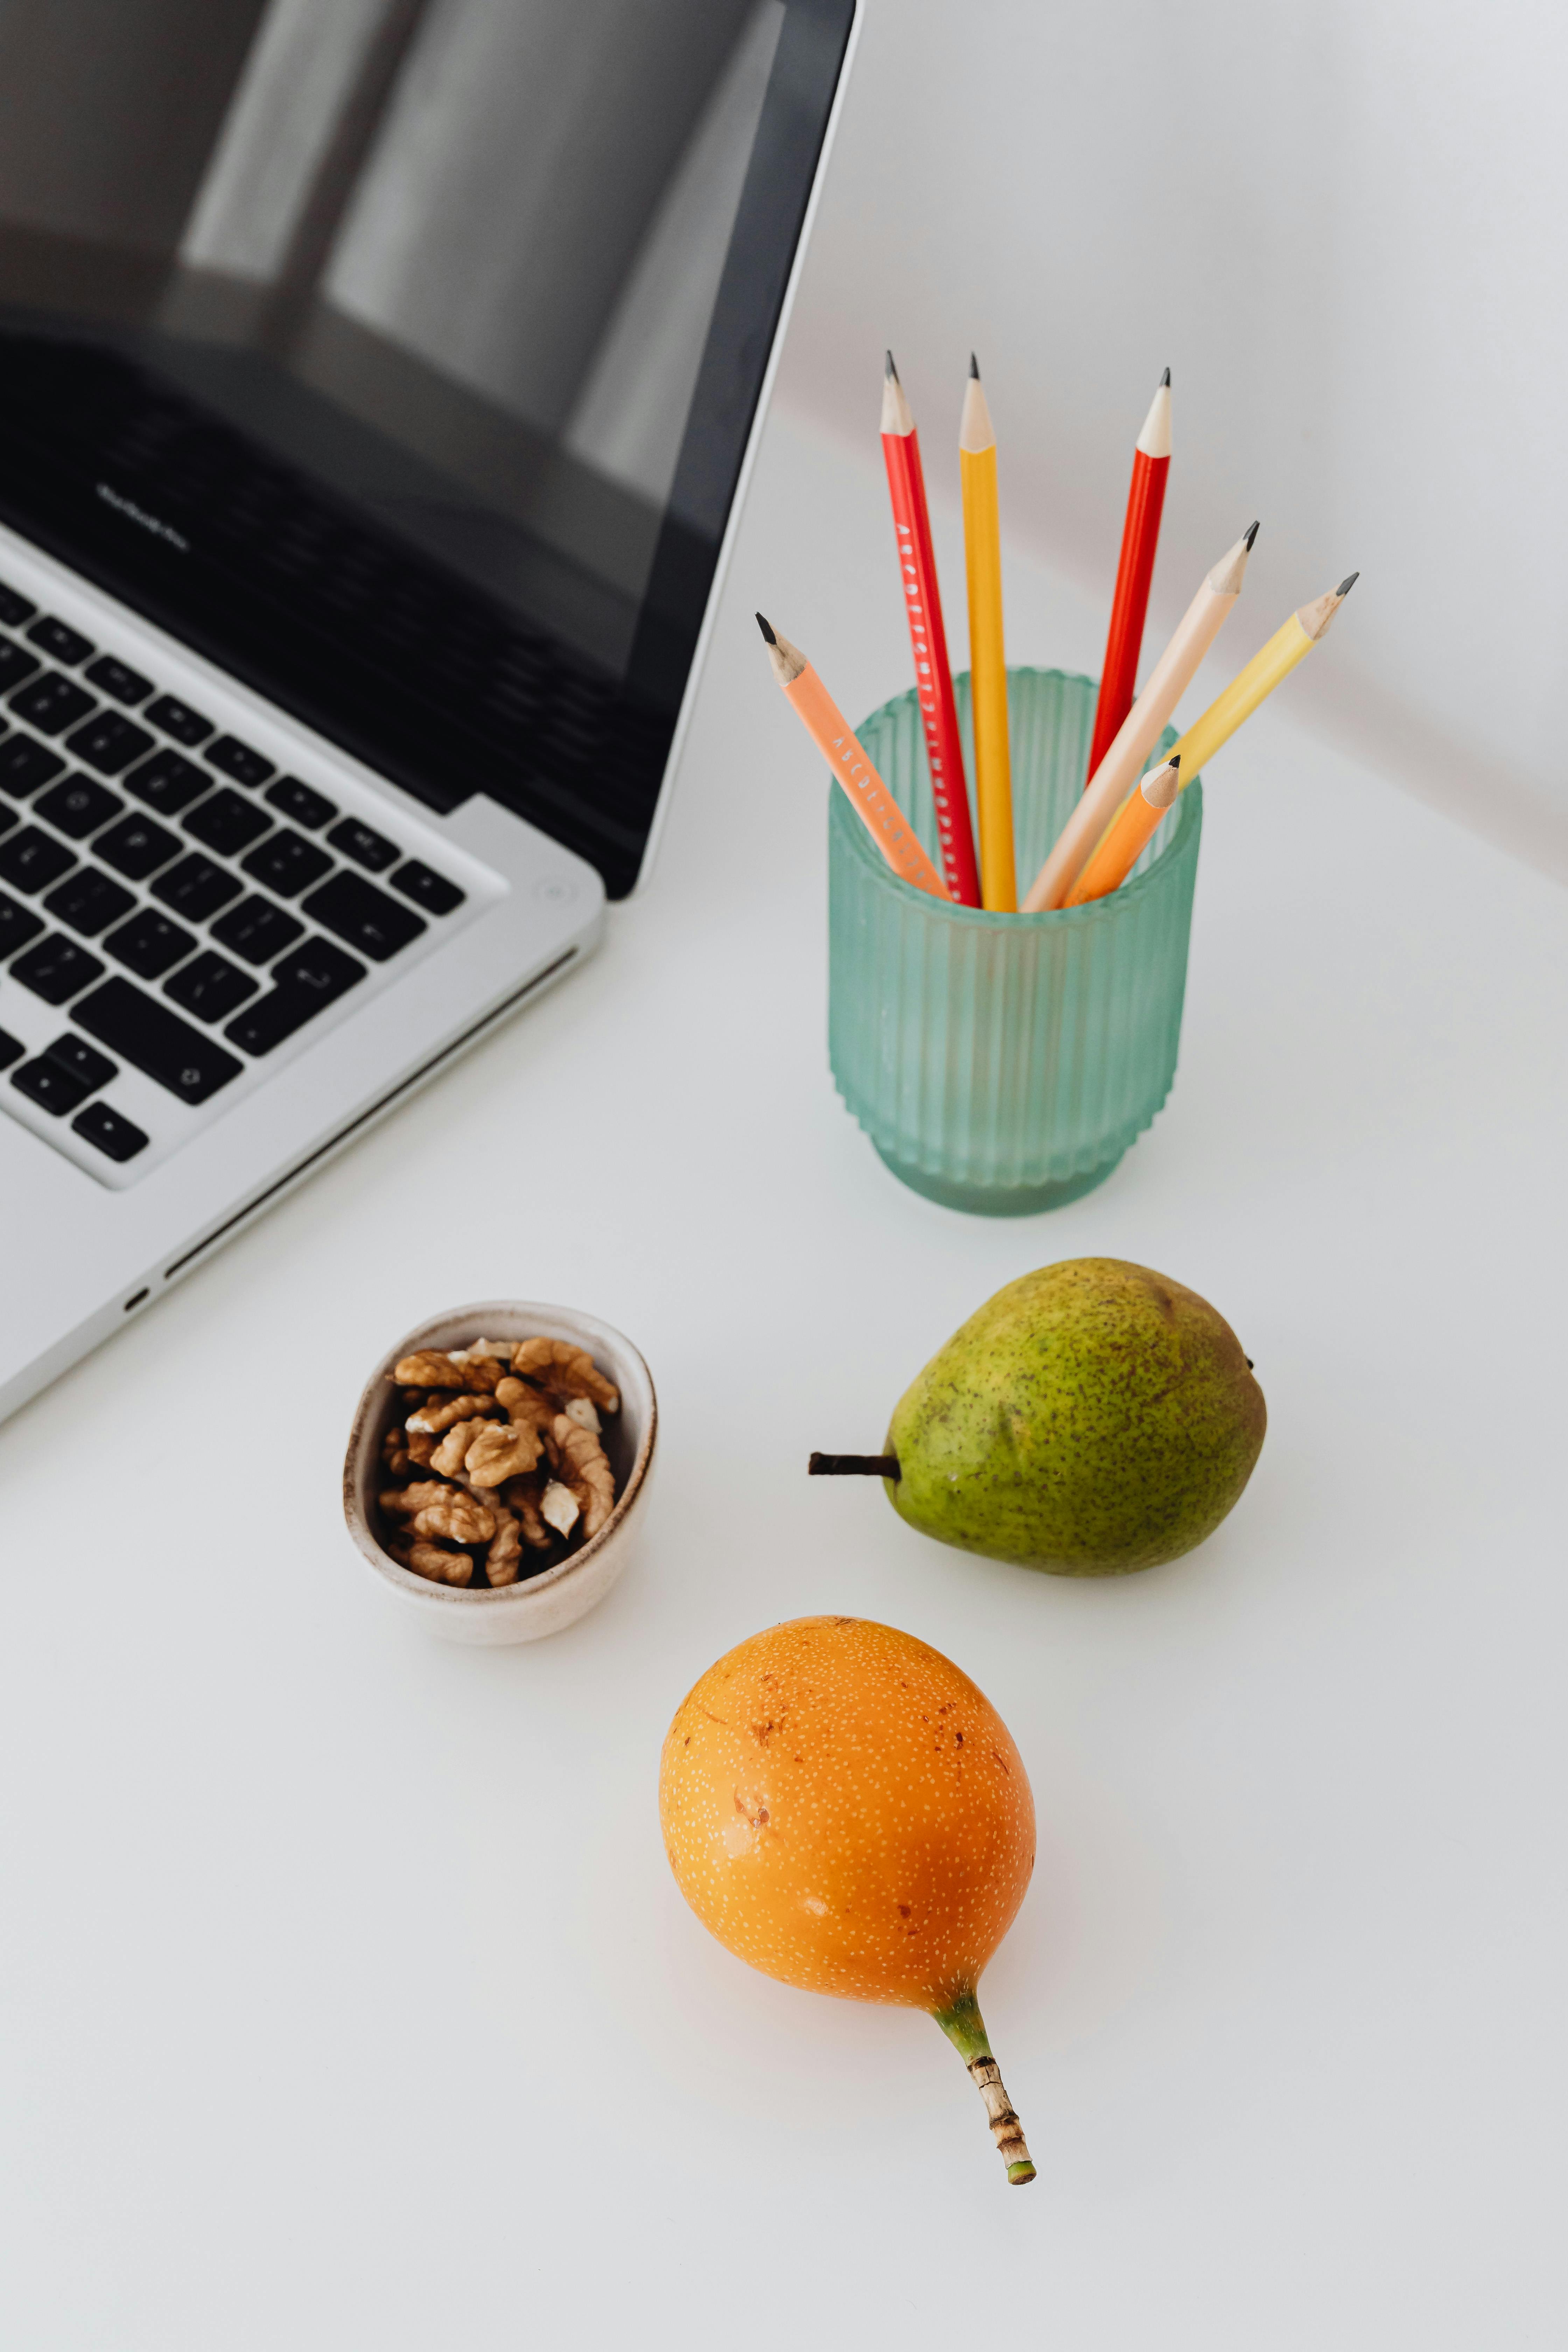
(565, 1370)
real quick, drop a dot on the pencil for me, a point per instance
(835, 738)
(1134, 570)
(1110, 782)
(1118, 850)
(928, 639)
(987, 657)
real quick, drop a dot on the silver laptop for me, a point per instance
(377, 380)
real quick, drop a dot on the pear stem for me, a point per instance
(965, 2028)
(853, 1466)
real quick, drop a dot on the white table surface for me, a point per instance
(348, 1998)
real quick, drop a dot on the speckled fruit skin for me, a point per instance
(1091, 1419)
(845, 1811)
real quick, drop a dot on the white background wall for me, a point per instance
(1342, 226)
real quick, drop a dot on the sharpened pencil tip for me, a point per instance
(1165, 379)
(890, 370)
(1346, 585)
(1175, 761)
(1247, 537)
(767, 633)
(975, 367)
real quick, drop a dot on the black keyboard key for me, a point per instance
(195, 887)
(237, 759)
(363, 916)
(116, 1138)
(19, 924)
(52, 703)
(313, 977)
(210, 986)
(13, 609)
(156, 1041)
(9, 817)
(137, 848)
(63, 643)
(149, 943)
(52, 1088)
(307, 807)
(26, 767)
(16, 663)
(228, 822)
(11, 1049)
(55, 968)
(32, 860)
(367, 848)
(126, 685)
(257, 931)
(78, 806)
(177, 719)
(287, 864)
(82, 1060)
(88, 901)
(166, 783)
(109, 742)
(427, 889)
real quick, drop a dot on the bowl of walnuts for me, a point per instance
(498, 1467)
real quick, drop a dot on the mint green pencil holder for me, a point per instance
(1003, 1064)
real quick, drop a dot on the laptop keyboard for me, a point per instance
(184, 907)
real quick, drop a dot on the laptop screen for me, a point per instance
(401, 356)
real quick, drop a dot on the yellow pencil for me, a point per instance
(1139, 816)
(987, 656)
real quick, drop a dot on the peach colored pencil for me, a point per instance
(835, 737)
(1119, 770)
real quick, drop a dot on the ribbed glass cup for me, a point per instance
(1003, 1062)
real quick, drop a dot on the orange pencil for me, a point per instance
(835, 737)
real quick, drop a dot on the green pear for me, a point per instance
(1091, 1419)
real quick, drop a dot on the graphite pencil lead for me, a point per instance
(891, 369)
(1247, 537)
(1346, 585)
(975, 367)
(768, 636)
(1165, 379)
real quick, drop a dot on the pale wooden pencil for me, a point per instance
(1118, 772)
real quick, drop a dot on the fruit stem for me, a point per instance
(965, 2028)
(853, 1466)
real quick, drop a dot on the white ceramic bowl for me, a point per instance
(536, 1605)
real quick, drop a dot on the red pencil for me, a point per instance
(1139, 537)
(934, 678)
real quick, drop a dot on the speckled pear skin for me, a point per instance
(1092, 1419)
(843, 1808)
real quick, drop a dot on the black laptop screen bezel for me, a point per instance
(101, 463)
